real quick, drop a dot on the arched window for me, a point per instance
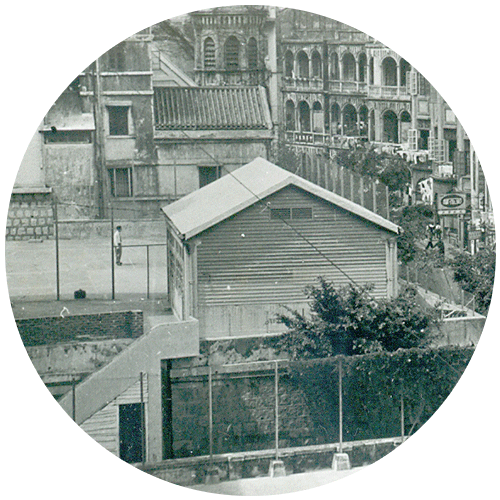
(208, 53)
(390, 121)
(348, 68)
(316, 64)
(253, 57)
(288, 63)
(232, 53)
(405, 120)
(372, 71)
(318, 118)
(363, 121)
(335, 67)
(335, 119)
(303, 62)
(362, 67)
(290, 115)
(305, 117)
(404, 68)
(350, 120)
(389, 72)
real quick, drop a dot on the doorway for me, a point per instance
(131, 432)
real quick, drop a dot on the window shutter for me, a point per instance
(412, 82)
(412, 139)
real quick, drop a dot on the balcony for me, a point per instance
(297, 83)
(388, 92)
(316, 138)
(348, 87)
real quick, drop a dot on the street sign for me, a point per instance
(452, 204)
(474, 235)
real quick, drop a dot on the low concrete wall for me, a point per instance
(461, 331)
(191, 471)
(53, 330)
(138, 228)
(59, 362)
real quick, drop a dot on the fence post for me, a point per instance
(340, 407)
(402, 415)
(112, 254)
(276, 409)
(210, 418)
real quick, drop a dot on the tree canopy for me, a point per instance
(349, 320)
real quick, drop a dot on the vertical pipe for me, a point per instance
(340, 407)
(73, 397)
(143, 420)
(112, 254)
(210, 418)
(402, 417)
(276, 409)
(56, 236)
(147, 268)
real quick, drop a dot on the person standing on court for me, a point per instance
(117, 240)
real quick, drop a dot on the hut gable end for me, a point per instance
(256, 256)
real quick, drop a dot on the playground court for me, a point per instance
(87, 265)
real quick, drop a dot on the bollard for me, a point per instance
(277, 468)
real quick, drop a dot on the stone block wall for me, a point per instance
(243, 414)
(30, 217)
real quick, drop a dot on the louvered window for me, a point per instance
(232, 53)
(295, 213)
(209, 53)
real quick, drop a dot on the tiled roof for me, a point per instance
(211, 108)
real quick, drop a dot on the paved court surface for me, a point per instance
(86, 264)
(276, 485)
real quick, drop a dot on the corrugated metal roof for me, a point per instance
(211, 108)
(243, 187)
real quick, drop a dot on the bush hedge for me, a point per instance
(373, 387)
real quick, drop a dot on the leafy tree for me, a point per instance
(348, 320)
(475, 274)
(392, 170)
(413, 221)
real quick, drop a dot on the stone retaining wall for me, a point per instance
(30, 217)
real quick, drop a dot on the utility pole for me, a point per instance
(112, 255)
(99, 138)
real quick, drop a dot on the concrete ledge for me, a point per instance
(232, 466)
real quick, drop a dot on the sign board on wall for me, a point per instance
(452, 204)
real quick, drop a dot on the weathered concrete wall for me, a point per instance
(69, 170)
(154, 230)
(57, 360)
(178, 162)
(461, 331)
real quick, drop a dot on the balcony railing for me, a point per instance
(315, 83)
(320, 138)
(387, 91)
(348, 87)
